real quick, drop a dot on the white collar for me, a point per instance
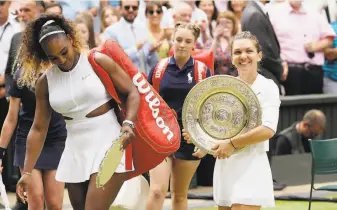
(124, 22)
(256, 84)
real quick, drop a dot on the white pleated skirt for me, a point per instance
(85, 148)
(244, 178)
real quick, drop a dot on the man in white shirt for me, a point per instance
(133, 37)
(9, 26)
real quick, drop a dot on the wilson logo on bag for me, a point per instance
(156, 128)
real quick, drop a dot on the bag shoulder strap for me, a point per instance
(158, 73)
(103, 76)
(200, 70)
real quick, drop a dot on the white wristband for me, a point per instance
(129, 122)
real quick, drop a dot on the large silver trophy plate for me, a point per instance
(219, 108)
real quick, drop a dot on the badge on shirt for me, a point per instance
(190, 78)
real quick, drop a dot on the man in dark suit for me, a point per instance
(255, 19)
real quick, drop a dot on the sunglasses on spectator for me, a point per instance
(151, 12)
(134, 8)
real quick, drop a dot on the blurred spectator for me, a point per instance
(141, 17)
(327, 8)
(28, 10)
(302, 46)
(273, 5)
(166, 4)
(226, 29)
(109, 16)
(85, 25)
(154, 14)
(181, 12)
(255, 19)
(9, 25)
(330, 66)
(112, 3)
(221, 5)
(209, 8)
(294, 139)
(71, 8)
(237, 6)
(133, 37)
(14, 8)
(53, 8)
(198, 16)
(47, 2)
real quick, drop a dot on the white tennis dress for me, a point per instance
(245, 177)
(75, 94)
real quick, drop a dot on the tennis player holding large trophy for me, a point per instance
(233, 119)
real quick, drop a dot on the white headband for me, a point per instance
(50, 33)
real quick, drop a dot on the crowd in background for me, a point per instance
(305, 34)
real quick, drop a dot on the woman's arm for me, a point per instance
(39, 129)
(10, 122)
(270, 104)
(218, 33)
(254, 136)
(122, 82)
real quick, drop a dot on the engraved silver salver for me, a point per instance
(219, 108)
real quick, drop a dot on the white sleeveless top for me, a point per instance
(78, 92)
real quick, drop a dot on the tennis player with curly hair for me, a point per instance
(69, 85)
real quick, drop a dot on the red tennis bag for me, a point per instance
(156, 128)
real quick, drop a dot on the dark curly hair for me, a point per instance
(31, 57)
